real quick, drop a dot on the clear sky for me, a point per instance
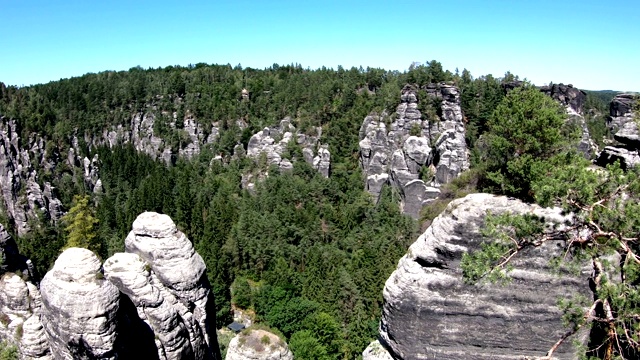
(591, 44)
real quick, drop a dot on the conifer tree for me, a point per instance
(80, 224)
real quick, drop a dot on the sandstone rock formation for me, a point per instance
(152, 302)
(26, 195)
(572, 98)
(142, 133)
(22, 192)
(254, 344)
(271, 146)
(79, 307)
(173, 295)
(429, 312)
(412, 153)
(20, 303)
(621, 123)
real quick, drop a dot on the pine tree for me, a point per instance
(80, 223)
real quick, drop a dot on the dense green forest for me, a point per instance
(308, 255)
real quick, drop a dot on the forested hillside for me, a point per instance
(308, 255)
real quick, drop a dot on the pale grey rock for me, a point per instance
(628, 135)
(248, 345)
(33, 344)
(272, 143)
(322, 161)
(429, 312)
(285, 165)
(79, 307)
(132, 276)
(178, 272)
(417, 149)
(14, 296)
(20, 304)
(399, 153)
(375, 351)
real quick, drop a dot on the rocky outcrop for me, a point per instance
(611, 154)
(254, 344)
(621, 123)
(20, 303)
(152, 302)
(79, 307)
(415, 153)
(24, 195)
(430, 312)
(571, 98)
(273, 145)
(145, 134)
(26, 164)
(375, 351)
(33, 344)
(173, 295)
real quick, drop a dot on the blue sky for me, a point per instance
(591, 44)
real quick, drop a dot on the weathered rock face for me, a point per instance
(173, 296)
(153, 302)
(611, 154)
(20, 303)
(400, 151)
(26, 195)
(142, 133)
(33, 344)
(621, 123)
(79, 307)
(429, 312)
(23, 194)
(621, 105)
(272, 143)
(567, 95)
(258, 345)
(130, 275)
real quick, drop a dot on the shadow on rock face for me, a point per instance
(137, 340)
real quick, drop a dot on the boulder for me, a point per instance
(430, 312)
(254, 344)
(622, 124)
(375, 351)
